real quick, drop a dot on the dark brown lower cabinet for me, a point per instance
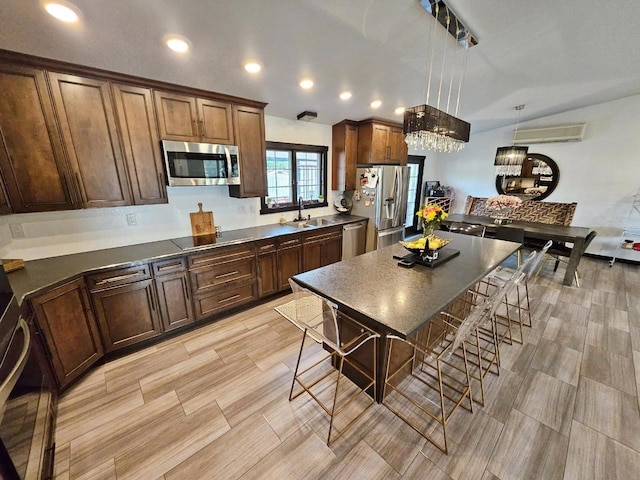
(174, 300)
(267, 267)
(322, 247)
(224, 298)
(70, 331)
(127, 314)
(289, 259)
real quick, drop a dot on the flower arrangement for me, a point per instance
(502, 202)
(429, 217)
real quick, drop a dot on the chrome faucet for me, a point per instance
(300, 207)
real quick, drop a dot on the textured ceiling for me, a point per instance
(550, 55)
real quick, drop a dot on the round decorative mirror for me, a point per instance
(537, 180)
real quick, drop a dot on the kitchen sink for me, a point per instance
(314, 222)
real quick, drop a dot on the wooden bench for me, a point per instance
(553, 213)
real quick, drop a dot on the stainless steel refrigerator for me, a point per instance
(381, 195)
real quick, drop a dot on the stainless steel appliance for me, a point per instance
(381, 195)
(27, 397)
(354, 237)
(189, 163)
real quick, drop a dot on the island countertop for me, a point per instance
(398, 300)
(41, 274)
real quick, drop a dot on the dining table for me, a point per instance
(536, 234)
(395, 300)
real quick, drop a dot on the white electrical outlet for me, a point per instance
(242, 210)
(16, 230)
(132, 220)
(253, 208)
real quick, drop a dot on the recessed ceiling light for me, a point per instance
(399, 111)
(346, 95)
(306, 83)
(252, 66)
(177, 43)
(376, 104)
(63, 11)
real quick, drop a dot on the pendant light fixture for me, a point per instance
(509, 160)
(429, 127)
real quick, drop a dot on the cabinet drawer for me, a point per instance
(166, 267)
(322, 234)
(266, 246)
(221, 255)
(121, 276)
(289, 241)
(216, 275)
(224, 299)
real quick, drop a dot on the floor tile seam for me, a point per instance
(618, 442)
(610, 386)
(555, 378)
(363, 439)
(544, 424)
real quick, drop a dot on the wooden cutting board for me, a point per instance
(202, 222)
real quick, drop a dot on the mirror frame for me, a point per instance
(555, 172)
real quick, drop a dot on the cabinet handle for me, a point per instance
(151, 299)
(65, 187)
(235, 272)
(225, 300)
(78, 184)
(116, 279)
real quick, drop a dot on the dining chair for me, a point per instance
(522, 301)
(561, 253)
(434, 378)
(317, 317)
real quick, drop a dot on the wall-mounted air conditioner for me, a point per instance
(561, 133)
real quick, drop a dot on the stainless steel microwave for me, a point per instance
(189, 164)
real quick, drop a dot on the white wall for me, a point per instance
(601, 173)
(58, 233)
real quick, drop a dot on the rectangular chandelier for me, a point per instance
(434, 129)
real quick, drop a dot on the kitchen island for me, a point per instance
(390, 299)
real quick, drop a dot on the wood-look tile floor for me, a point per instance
(212, 403)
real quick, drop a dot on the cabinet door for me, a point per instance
(88, 125)
(177, 117)
(332, 251)
(267, 267)
(289, 264)
(345, 156)
(249, 128)
(312, 254)
(70, 331)
(380, 148)
(215, 121)
(141, 144)
(32, 159)
(174, 300)
(126, 314)
(399, 148)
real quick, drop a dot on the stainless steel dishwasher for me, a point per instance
(354, 236)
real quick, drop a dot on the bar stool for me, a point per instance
(437, 360)
(317, 318)
(512, 235)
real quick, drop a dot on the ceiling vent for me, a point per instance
(561, 133)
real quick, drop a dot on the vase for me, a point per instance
(501, 216)
(427, 230)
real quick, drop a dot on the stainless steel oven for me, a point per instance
(191, 164)
(27, 401)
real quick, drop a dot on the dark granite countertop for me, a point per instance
(38, 275)
(401, 300)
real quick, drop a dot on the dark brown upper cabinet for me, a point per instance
(85, 113)
(344, 140)
(32, 158)
(249, 128)
(140, 143)
(381, 142)
(189, 119)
